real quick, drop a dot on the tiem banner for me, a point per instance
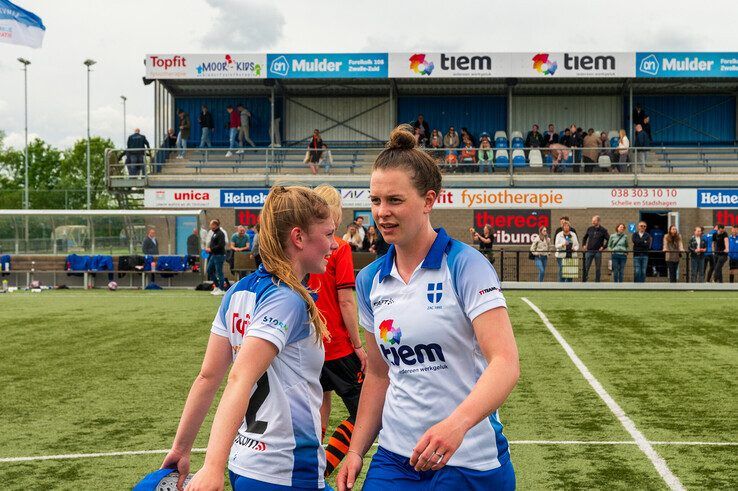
(327, 65)
(663, 65)
(574, 65)
(437, 65)
(238, 65)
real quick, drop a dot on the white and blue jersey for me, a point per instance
(278, 441)
(424, 331)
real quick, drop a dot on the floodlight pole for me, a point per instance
(88, 63)
(124, 99)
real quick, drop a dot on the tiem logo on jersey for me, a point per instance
(388, 333)
(435, 292)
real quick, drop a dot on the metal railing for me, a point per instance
(507, 160)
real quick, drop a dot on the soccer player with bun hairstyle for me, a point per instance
(267, 426)
(442, 357)
(345, 357)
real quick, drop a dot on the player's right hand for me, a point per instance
(349, 471)
(180, 461)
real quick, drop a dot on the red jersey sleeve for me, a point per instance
(344, 263)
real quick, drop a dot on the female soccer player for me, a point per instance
(267, 426)
(441, 358)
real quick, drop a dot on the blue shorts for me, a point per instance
(241, 483)
(391, 472)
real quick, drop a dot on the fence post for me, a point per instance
(517, 265)
(502, 265)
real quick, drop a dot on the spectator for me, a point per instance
(382, 246)
(591, 151)
(641, 246)
(135, 152)
(558, 153)
(639, 116)
(618, 245)
(216, 249)
(451, 140)
(371, 239)
(468, 155)
(562, 220)
(720, 247)
(594, 242)
(244, 128)
(641, 141)
(540, 248)
(566, 244)
(150, 245)
(534, 139)
(605, 146)
(622, 151)
(485, 156)
(465, 132)
(255, 255)
(352, 237)
(326, 159)
(647, 128)
(359, 221)
(566, 140)
(485, 240)
(551, 136)
(697, 247)
(733, 252)
(234, 121)
(239, 244)
(484, 136)
(206, 123)
(450, 162)
(184, 132)
(437, 134)
(422, 129)
(314, 151)
(709, 256)
(436, 145)
(673, 248)
(193, 249)
(577, 139)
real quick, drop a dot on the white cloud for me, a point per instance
(16, 139)
(243, 25)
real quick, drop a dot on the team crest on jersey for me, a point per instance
(435, 292)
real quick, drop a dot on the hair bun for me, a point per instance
(402, 138)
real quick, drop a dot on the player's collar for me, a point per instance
(432, 260)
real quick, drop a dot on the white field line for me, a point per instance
(202, 450)
(644, 445)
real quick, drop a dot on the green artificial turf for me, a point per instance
(97, 371)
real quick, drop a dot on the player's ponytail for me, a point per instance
(284, 209)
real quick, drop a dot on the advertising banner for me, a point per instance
(572, 65)
(717, 198)
(327, 65)
(663, 65)
(449, 65)
(243, 198)
(512, 226)
(215, 66)
(563, 198)
(181, 198)
(248, 217)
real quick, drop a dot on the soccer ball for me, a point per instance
(169, 483)
(112, 286)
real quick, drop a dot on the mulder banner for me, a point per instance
(327, 65)
(665, 65)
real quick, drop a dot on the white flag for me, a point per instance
(19, 26)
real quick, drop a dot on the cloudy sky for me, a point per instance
(118, 34)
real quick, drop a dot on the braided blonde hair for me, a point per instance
(284, 209)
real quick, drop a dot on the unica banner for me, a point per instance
(566, 198)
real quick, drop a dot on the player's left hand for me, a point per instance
(437, 445)
(206, 479)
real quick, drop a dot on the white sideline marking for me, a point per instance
(659, 463)
(202, 450)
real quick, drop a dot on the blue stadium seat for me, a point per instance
(518, 158)
(501, 158)
(501, 142)
(614, 141)
(518, 142)
(547, 159)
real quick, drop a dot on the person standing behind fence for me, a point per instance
(566, 244)
(184, 132)
(673, 248)
(244, 130)
(206, 123)
(594, 241)
(314, 151)
(622, 151)
(642, 142)
(150, 246)
(255, 254)
(485, 240)
(234, 121)
(641, 246)
(618, 246)
(239, 244)
(540, 248)
(709, 256)
(217, 249)
(697, 247)
(720, 248)
(733, 252)
(135, 152)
